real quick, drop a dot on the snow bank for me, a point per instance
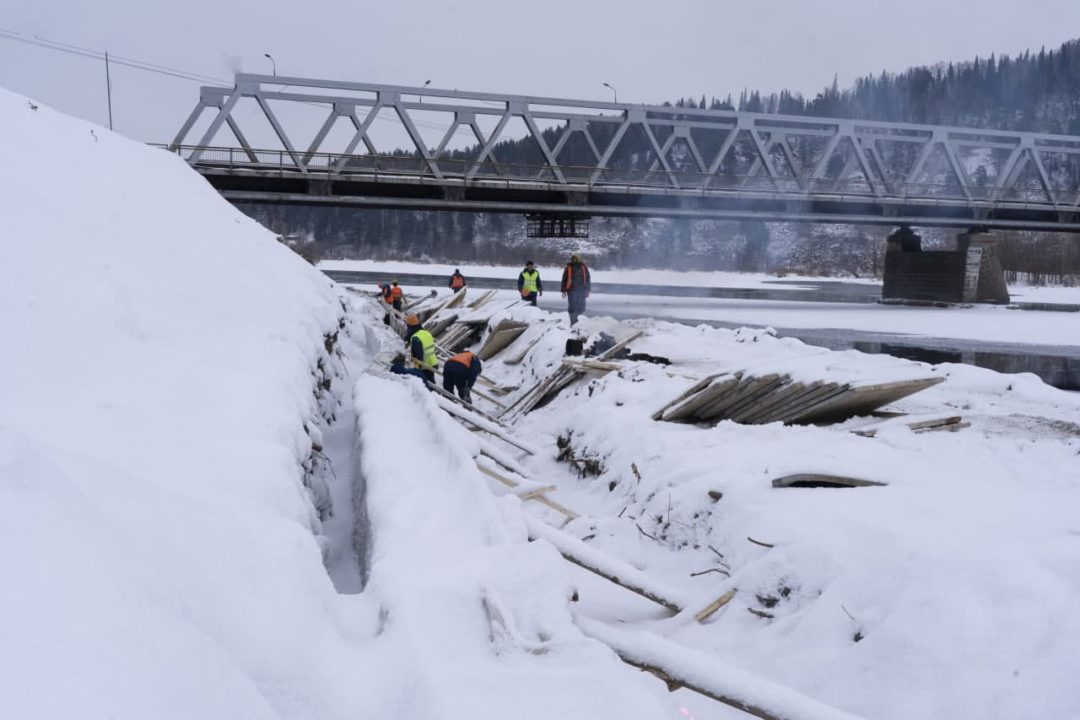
(477, 619)
(157, 548)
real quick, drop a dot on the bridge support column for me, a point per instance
(984, 277)
(971, 273)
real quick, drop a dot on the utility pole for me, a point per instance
(108, 88)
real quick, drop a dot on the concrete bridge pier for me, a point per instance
(969, 274)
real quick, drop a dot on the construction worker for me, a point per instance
(397, 366)
(388, 298)
(576, 285)
(460, 372)
(396, 294)
(387, 293)
(457, 281)
(422, 349)
(529, 284)
(412, 324)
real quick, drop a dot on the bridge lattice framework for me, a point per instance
(646, 160)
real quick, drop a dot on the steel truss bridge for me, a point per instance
(654, 161)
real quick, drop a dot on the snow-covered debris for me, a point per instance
(942, 594)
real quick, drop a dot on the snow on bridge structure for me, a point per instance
(655, 161)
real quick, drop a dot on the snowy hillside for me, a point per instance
(168, 368)
(157, 374)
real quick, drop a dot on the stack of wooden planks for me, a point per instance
(753, 399)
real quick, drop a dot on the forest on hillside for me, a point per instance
(1031, 92)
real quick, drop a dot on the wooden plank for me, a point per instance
(487, 424)
(692, 390)
(517, 359)
(807, 396)
(606, 566)
(586, 365)
(767, 410)
(750, 403)
(747, 384)
(822, 393)
(619, 345)
(918, 423)
(482, 299)
(749, 389)
(715, 605)
(505, 333)
(564, 380)
(541, 498)
(865, 398)
(686, 409)
(683, 667)
(530, 494)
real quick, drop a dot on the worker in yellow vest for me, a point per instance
(422, 348)
(529, 284)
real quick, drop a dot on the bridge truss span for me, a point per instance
(480, 151)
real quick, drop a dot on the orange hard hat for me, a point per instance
(412, 320)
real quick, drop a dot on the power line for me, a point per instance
(114, 59)
(145, 66)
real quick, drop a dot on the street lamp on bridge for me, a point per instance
(426, 83)
(272, 63)
(613, 90)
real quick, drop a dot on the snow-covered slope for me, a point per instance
(158, 555)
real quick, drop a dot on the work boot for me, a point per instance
(466, 396)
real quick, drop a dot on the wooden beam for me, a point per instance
(695, 670)
(715, 605)
(606, 566)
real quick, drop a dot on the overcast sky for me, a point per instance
(650, 51)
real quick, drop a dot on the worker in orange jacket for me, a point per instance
(576, 286)
(457, 281)
(396, 294)
(460, 373)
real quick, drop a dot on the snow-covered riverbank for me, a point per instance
(174, 381)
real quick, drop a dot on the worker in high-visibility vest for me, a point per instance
(422, 349)
(412, 324)
(529, 284)
(457, 281)
(460, 373)
(576, 286)
(396, 294)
